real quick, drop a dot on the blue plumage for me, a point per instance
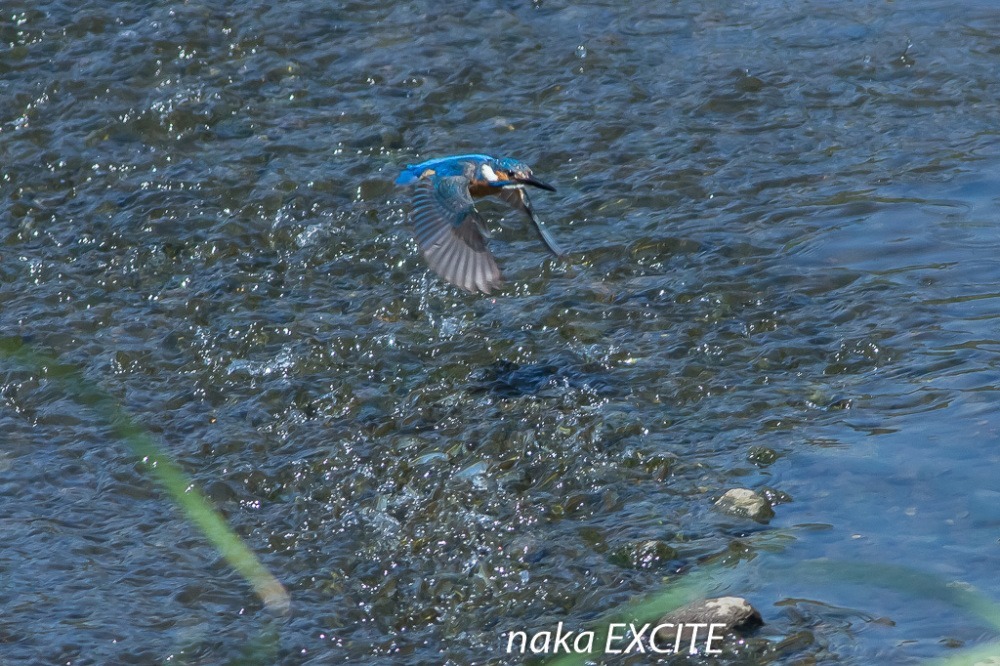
(447, 166)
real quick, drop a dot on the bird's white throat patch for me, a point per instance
(489, 174)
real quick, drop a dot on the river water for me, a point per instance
(781, 224)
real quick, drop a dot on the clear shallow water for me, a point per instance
(782, 224)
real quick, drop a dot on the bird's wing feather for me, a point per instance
(517, 198)
(449, 232)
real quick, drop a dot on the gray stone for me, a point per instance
(734, 612)
(692, 621)
(745, 503)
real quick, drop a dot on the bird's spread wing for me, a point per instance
(449, 232)
(517, 198)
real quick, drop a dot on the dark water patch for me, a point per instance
(507, 379)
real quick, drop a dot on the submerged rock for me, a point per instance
(745, 503)
(643, 555)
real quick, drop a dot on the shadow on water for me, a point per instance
(508, 379)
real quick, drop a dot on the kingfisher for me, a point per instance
(448, 228)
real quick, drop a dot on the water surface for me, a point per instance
(781, 220)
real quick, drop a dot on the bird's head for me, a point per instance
(507, 172)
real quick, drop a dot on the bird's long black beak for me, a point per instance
(530, 180)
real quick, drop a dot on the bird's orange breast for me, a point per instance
(481, 189)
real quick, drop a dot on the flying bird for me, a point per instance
(449, 230)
